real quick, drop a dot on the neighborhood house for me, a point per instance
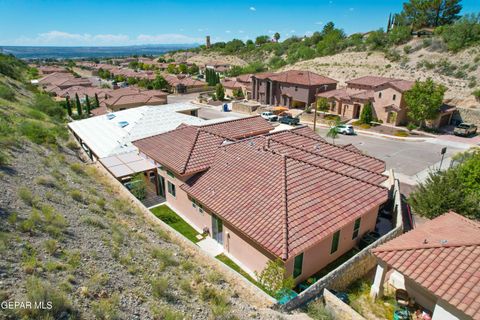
(265, 196)
(438, 266)
(292, 89)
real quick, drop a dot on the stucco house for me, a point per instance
(243, 83)
(292, 89)
(438, 264)
(265, 196)
(385, 94)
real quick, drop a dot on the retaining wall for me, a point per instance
(467, 115)
(338, 308)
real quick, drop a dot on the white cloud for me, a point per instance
(252, 9)
(308, 33)
(61, 38)
(170, 38)
(241, 31)
(228, 31)
(319, 23)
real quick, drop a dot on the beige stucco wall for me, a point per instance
(317, 257)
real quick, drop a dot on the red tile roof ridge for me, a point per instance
(191, 151)
(331, 144)
(327, 157)
(333, 171)
(285, 209)
(228, 121)
(430, 245)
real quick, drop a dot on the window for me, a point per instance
(297, 265)
(356, 228)
(296, 88)
(379, 94)
(394, 97)
(335, 240)
(170, 173)
(194, 205)
(171, 189)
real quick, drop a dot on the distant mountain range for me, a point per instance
(44, 52)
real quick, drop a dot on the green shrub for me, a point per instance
(77, 195)
(7, 93)
(50, 245)
(94, 222)
(411, 126)
(166, 313)
(46, 181)
(37, 132)
(26, 195)
(476, 93)
(164, 256)
(316, 310)
(159, 287)
(77, 168)
(47, 105)
(107, 308)
(138, 186)
(400, 133)
(42, 292)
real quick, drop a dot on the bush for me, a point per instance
(411, 126)
(107, 308)
(476, 94)
(26, 195)
(462, 34)
(400, 133)
(48, 106)
(159, 287)
(41, 292)
(367, 114)
(7, 93)
(138, 186)
(316, 310)
(37, 132)
(77, 195)
(77, 168)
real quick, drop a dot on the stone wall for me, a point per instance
(467, 115)
(338, 308)
(357, 266)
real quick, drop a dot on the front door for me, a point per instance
(217, 229)
(161, 186)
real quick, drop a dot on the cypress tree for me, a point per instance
(79, 105)
(207, 76)
(87, 103)
(69, 106)
(217, 78)
(367, 114)
(97, 103)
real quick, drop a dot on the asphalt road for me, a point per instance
(405, 157)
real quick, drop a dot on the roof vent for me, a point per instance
(123, 124)
(443, 241)
(316, 147)
(251, 143)
(110, 116)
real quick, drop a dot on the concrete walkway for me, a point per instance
(210, 246)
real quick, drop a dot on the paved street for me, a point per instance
(405, 157)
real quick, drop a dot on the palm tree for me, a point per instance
(332, 132)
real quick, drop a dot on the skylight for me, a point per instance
(110, 116)
(123, 124)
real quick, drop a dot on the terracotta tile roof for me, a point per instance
(443, 256)
(245, 78)
(129, 96)
(99, 111)
(185, 80)
(232, 84)
(374, 81)
(190, 149)
(284, 204)
(85, 91)
(307, 78)
(340, 94)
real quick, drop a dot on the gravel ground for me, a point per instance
(93, 253)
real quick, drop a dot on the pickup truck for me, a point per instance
(465, 129)
(289, 120)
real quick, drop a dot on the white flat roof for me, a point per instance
(113, 133)
(126, 164)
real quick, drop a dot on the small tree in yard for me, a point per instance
(219, 92)
(367, 114)
(332, 132)
(69, 106)
(238, 93)
(79, 105)
(87, 104)
(322, 104)
(273, 279)
(138, 186)
(97, 103)
(424, 100)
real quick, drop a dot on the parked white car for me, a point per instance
(345, 129)
(267, 115)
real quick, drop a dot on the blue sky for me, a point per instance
(122, 22)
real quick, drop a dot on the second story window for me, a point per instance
(170, 173)
(379, 94)
(296, 88)
(394, 97)
(298, 265)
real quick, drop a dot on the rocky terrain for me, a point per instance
(70, 236)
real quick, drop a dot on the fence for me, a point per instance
(358, 265)
(338, 308)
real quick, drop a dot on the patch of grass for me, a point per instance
(94, 222)
(159, 287)
(166, 313)
(77, 195)
(77, 168)
(46, 181)
(42, 292)
(222, 257)
(73, 259)
(7, 93)
(360, 300)
(50, 245)
(26, 195)
(107, 308)
(166, 214)
(54, 266)
(316, 310)
(38, 132)
(164, 256)
(215, 277)
(185, 285)
(400, 133)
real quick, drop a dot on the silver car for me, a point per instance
(345, 129)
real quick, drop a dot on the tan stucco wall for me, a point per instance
(317, 257)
